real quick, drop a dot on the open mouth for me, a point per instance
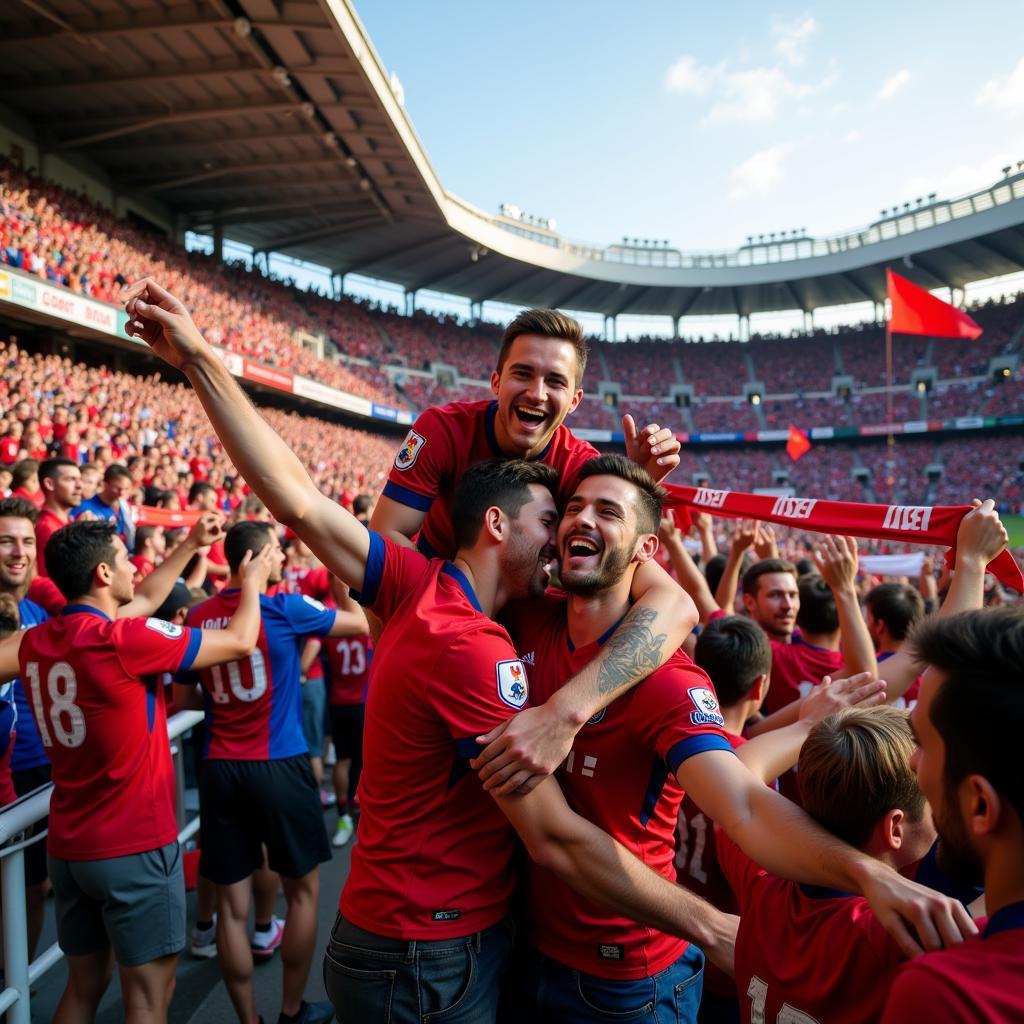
(529, 418)
(579, 548)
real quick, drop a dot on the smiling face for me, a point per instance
(17, 553)
(536, 389)
(526, 561)
(66, 487)
(598, 537)
(775, 604)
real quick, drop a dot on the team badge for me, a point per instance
(410, 450)
(706, 703)
(167, 629)
(512, 686)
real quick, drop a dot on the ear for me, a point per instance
(495, 379)
(646, 548)
(893, 828)
(749, 603)
(759, 690)
(576, 399)
(496, 523)
(982, 805)
(103, 574)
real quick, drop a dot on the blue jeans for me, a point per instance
(556, 994)
(376, 980)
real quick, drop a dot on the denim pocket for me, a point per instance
(447, 986)
(360, 996)
(616, 1000)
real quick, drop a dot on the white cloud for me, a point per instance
(747, 94)
(792, 36)
(960, 178)
(1005, 95)
(893, 84)
(853, 135)
(761, 172)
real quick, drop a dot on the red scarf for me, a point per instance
(917, 524)
(149, 515)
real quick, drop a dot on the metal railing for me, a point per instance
(15, 821)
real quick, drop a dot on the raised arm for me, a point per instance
(595, 865)
(979, 539)
(655, 448)
(268, 465)
(239, 637)
(836, 559)
(725, 594)
(532, 744)
(693, 581)
(396, 521)
(351, 618)
(153, 590)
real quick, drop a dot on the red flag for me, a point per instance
(915, 311)
(799, 444)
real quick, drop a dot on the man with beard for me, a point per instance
(968, 722)
(627, 771)
(425, 906)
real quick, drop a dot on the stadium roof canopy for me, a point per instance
(274, 123)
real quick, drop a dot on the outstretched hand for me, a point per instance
(521, 752)
(655, 448)
(831, 696)
(162, 322)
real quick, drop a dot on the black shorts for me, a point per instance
(347, 730)
(25, 781)
(244, 804)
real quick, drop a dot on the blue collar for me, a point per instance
(451, 569)
(601, 640)
(1011, 916)
(822, 892)
(84, 609)
(492, 438)
(798, 639)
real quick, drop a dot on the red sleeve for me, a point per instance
(149, 646)
(44, 592)
(922, 994)
(424, 460)
(478, 682)
(739, 870)
(316, 584)
(216, 554)
(392, 570)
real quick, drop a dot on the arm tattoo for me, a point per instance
(633, 652)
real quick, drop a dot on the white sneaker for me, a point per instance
(263, 944)
(203, 942)
(344, 830)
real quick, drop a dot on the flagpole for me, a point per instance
(891, 445)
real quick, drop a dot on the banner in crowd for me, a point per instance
(893, 565)
(915, 524)
(150, 515)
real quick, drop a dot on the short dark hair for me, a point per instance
(504, 483)
(734, 651)
(548, 323)
(818, 612)
(49, 468)
(248, 535)
(855, 768)
(899, 605)
(978, 709)
(361, 504)
(116, 471)
(18, 508)
(713, 571)
(199, 488)
(74, 551)
(23, 471)
(10, 617)
(143, 534)
(752, 577)
(651, 496)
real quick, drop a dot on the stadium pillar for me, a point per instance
(879, 312)
(744, 327)
(808, 321)
(677, 324)
(338, 284)
(410, 302)
(218, 241)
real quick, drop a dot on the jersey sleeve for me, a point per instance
(477, 683)
(391, 572)
(305, 615)
(675, 712)
(150, 646)
(919, 993)
(422, 462)
(739, 870)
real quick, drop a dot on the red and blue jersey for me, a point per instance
(254, 706)
(118, 514)
(435, 854)
(94, 694)
(796, 667)
(443, 443)
(28, 751)
(977, 982)
(620, 775)
(348, 668)
(817, 951)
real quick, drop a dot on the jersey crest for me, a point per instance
(512, 686)
(410, 450)
(167, 629)
(706, 703)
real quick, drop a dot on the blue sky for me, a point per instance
(705, 123)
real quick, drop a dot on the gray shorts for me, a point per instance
(314, 711)
(135, 903)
